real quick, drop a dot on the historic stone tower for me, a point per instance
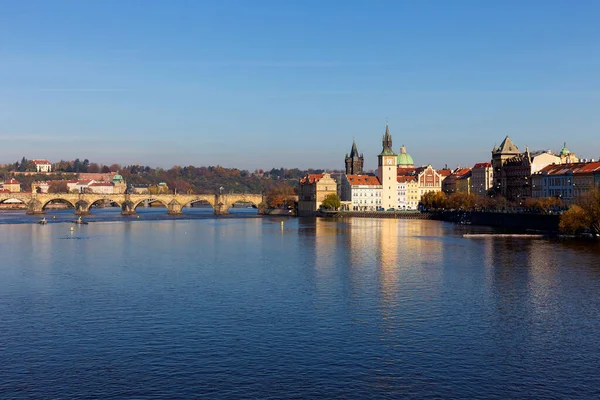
(387, 174)
(354, 161)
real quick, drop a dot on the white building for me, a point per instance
(101, 188)
(361, 192)
(42, 165)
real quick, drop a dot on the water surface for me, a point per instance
(232, 308)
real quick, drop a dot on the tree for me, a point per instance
(58, 187)
(331, 202)
(434, 200)
(584, 215)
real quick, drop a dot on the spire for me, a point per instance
(387, 142)
(354, 151)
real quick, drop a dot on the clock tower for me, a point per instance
(387, 174)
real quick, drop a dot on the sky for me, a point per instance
(261, 84)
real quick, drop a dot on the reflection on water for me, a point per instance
(252, 308)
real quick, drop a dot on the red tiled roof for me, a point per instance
(4, 191)
(11, 181)
(101, 184)
(405, 171)
(461, 171)
(41, 162)
(444, 172)
(406, 178)
(311, 178)
(573, 168)
(482, 165)
(363, 180)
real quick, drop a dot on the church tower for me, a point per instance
(386, 172)
(354, 162)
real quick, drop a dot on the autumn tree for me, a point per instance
(435, 200)
(331, 202)
(584, 215)
(58, 187)
(280, 195)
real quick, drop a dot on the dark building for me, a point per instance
(354, 161)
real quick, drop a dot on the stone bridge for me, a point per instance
(82, 203)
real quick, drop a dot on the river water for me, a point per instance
(247, 308)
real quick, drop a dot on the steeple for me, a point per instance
(354, 161)
(387, 142)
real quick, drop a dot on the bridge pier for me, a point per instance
(127, 208)
(34, 207)
(174, 208)
(221, 209)
(82, 208)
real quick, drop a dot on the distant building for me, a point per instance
(361, 192)
(313, 190)
(42, 165)
(482, 178)
(565, 181)
(408, 192)
(354, 161)
(120, 186)
(566, 157)
(458, 181)
(101, 188)
(500, 155)
(11, 185)
(517, 171)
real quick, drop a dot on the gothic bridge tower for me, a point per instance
(354, 161)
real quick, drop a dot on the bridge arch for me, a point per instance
(150, 199)
(201, 200)
(58, 199)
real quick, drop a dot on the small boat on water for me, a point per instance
(42, 221)
(79, 221)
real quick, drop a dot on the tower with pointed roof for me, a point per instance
(354, 161)
(500, 155)
(386, 172)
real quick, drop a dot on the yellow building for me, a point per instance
(313, 190)
(12, 185)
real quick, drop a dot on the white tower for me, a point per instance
(386, 172)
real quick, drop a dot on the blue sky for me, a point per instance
(261, 84)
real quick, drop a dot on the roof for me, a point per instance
(444, 172)
(405, 171)
(564, 151)
(406, 178)
(101, 184)
(461, 171)
(482, 165)
(404, 158)
(507, 146)
(12, 181)
(369, 180)
(41, 162)
(572, 168)
(310, 179)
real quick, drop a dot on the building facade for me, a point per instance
(313, 190)
(11, 185)
(408, 192)
(361, 192)
(500, 155)
(482, 178)
(42, 165)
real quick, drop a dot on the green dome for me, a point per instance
(117, 178)
(565, 151)
(404, 159)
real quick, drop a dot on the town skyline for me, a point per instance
(290, 84)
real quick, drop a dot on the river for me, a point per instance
(244, 307)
